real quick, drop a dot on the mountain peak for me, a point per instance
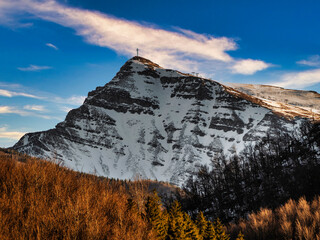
(144, 61)
(154, 123)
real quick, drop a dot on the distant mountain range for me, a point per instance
(162, 124)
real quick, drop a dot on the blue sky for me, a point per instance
(52, 53)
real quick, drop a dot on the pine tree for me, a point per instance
(177, 224)
(220, 232)
(240, 236)
(156, 217)
(192, 232)
(210, 233)
(201, 223)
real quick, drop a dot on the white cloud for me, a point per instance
(12, 135)
(9, 109)
(7, 93)
(22, 112)
(39, 108)
(299, 79)
(4, 133)
(15, 91)
(65, 109)
(180, 49)
(73, 100)
(249, 66)
(312, 61)
(34, 68)
(52, 46)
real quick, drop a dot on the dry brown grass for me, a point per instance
(41, 200)
(294, 220)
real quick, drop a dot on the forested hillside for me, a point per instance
(267, 174)
(42, 200)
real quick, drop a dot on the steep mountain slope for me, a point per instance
(285, 101)
(154, 123)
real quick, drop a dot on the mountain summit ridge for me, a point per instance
(154, 123)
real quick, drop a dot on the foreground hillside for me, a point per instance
(42, 200)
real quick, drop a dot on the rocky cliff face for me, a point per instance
(153, 123)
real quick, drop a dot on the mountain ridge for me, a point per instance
(287, 102)
(155, 123)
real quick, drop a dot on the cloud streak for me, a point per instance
(15, 89)
(4, 133)
(299, 79)
(312, 61)
(34, 68)
(12, 135)
(9, 109)
(23, 112)
(73, 100)
(180, 49)
(50, 45)
(65, 109)
(7, 93)
(38, 108)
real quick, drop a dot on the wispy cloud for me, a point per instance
(65, 109)
(312, 61)
(7, 93)
(299, 79)
(5, 10)
(9, 109)
(15, 90)
(52, 46)
(249, 66)
(39, 108)
(33, 68)
(73, 100)
(180, 49)
(13, 135)
(23, 112)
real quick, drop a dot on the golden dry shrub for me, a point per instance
(294, 220)
(42, 200)
(287, 215)
(261, 224)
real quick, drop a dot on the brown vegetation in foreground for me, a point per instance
(294, 220)
(41, 200)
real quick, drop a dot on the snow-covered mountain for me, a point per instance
(154, 123)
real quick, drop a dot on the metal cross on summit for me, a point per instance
(137, 52)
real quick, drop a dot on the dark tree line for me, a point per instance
(264, 175)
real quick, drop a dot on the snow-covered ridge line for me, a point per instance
(287, 102)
